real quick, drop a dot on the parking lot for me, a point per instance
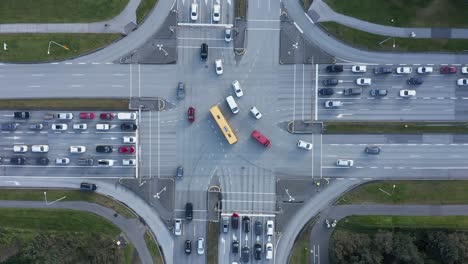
(66, 143)
(438, 96)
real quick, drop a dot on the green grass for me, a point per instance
(240, 9)
(153, 248)
(415, 13)
(408, 192)
(368, 41)
(59, 11)
(52, 195)
(55, 220)
(129, 254)
(365, 223)
(301, 250)
(144, 8)
(34, 47)
(65, 104)
(306, 4)
(395, 127)
(212, 242)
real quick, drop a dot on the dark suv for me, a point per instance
(42, 161)
(330, 82)
(18, 160)
(245, 254)
(84, 186)
(128, 127)
(334, 68)
(104, 149)
(258, 251)
(188, 247)
(258, 228)
(204, 51)
(22, 115)
(326, 91)
(246, 224)
(9, 126)
(383, 70)
(189, 211)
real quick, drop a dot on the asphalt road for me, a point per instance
(320, 235)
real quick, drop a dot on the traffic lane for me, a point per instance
(191, 230)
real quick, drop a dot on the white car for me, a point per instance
(131, 140)
(407, 93)
(216, 12)
(62, 161)
(359, 68)
(404, 70)
(333, 104)
(129, 162)
(177, 227)
(425, 70)
(65, 116)
(304, 145)
(464, 70)
(77, 149)
(237, 88)
(462, 82)
(255, 112)
(228, 35)
(20, 148)
(80, 126)
(194, 12)
(40, 148)
(219, 66)
(270, 227)
(201, 246)
(344, 163)
(102, 127)
(61, 127)
(269, 250)
(364, 81)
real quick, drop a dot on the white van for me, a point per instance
(126, 116)
(102, 127)
(232, 104)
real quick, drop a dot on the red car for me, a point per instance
(127, 149)
(191, 114)
(448, 69)
(106, 116)
(261, 139)
(235, 221)
(87, 115)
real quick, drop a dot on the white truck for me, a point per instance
(126, 116)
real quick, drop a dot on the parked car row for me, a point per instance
(82, 115)
(20, 160)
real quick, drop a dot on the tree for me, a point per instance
(405, 250)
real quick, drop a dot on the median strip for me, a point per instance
(395, 127)
(66, 104)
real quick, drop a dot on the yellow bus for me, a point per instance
(223, 124)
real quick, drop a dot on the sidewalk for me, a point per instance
(123, 23)
(319, 11)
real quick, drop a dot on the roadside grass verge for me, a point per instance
(212, 243)
(129, 254)
(153, 248)
(368, 41)
(34, 47)
(395, 127)
(366, 223)
(144, 8)
(301, 250)
(65, 104)
(240, 9)
(71, 195)
(59, 11)
(416, 13)
(306, 4)
(408, 192)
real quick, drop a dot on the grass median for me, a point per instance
(35, 47)
(71, 195)
(301, 249)
(401, 13)
(59, 11)
(368, 41)
(408, 192)
(240, 9)
(306, 4)
(144, 8)
(395, 127)
(65, 104)
(153, 248)
(212, 243)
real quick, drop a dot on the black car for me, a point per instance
(258, 251)
(235, 221)
(104, 149)
(379, 92)
(128, 127)
(245, 254)
(86, 162)
(383, 70)
(330, 82)
(42, 161)
(258, 227)
(189, 211)
(22, 115)
(246, 224)
(334, 68)
(181, 90)
(235, 247)
(84, 186)
(373, 150)
(204, 51)
(9, 126)
(188, 247)
(326, 91)
(18, 160)
(180, 172)
(414, 81)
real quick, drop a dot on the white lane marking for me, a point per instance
(310, 19)
(316, 92)
(77, 74)
(37, 75)
(34, 86)
(298, 28)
